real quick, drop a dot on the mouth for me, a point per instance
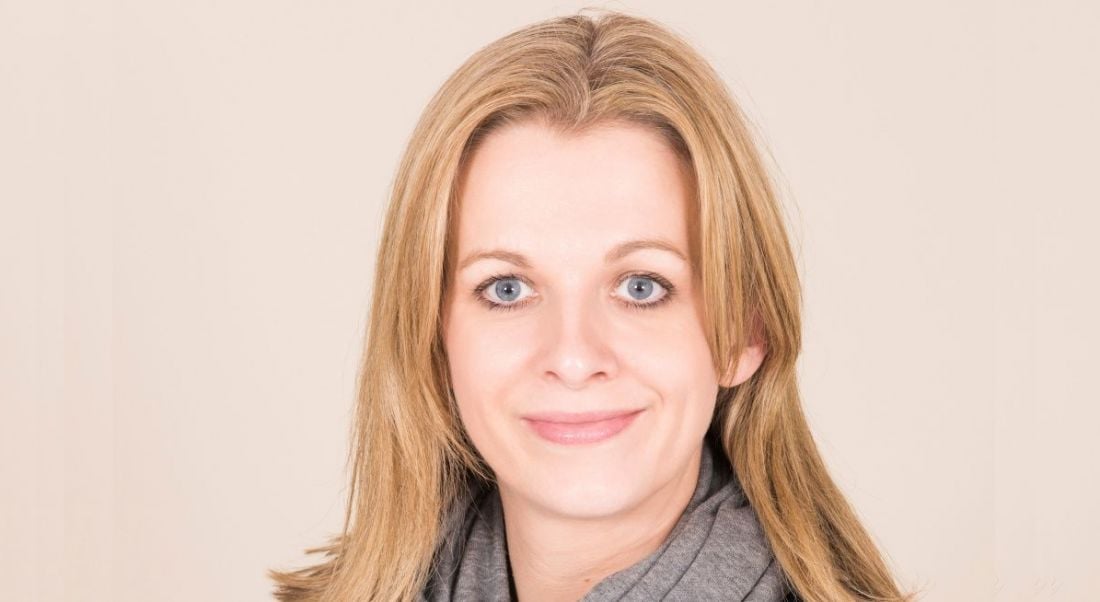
(568, 428)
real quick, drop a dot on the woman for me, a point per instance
(579, 377)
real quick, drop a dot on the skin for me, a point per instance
(575, 514)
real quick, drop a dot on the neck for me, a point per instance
(558, 558)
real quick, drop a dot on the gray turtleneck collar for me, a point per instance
(716, 550)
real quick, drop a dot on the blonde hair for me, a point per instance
(410, 457)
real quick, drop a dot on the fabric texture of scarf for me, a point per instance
(716, 551)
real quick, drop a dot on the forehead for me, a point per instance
(529, 186)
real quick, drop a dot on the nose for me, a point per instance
(577, 349)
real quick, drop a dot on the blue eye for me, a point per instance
(507, 289)
(640, 287)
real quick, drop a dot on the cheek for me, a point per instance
(485, 363)
(676, 364)
(671, 353)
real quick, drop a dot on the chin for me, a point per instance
(586, 498)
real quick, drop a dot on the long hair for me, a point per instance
(410, 458)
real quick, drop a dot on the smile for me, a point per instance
(578, 429)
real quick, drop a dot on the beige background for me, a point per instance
(191, 198)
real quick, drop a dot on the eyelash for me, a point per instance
(669, 291)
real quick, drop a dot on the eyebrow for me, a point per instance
(616, 253)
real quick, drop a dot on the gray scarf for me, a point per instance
(716, 551)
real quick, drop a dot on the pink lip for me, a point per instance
(580, 428)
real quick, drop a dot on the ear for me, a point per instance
(749, 361)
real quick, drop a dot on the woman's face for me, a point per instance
(574, 292)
